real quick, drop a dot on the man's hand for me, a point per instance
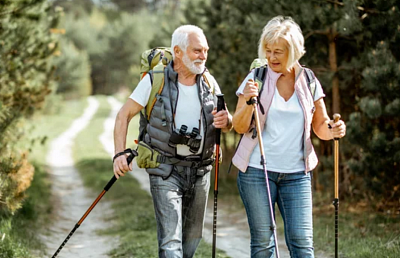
(121, 166)
(221, 119)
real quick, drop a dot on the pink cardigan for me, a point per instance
(247, 144)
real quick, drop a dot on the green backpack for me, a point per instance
(154, 61)
(261, 68)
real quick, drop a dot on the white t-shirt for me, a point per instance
(188, 109)
(283, 132)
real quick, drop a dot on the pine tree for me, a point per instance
(375, 127)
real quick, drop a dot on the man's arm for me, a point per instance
(125, 114)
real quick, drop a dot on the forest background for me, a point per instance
(53, 51)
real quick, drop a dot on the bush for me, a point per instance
(27, 44)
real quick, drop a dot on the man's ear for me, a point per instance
(178, 52)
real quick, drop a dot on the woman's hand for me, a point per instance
(250, 90)
(338, 129)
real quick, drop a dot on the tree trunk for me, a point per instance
(333, 67)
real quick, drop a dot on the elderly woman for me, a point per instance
(289, 111)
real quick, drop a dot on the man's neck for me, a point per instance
(185, 77)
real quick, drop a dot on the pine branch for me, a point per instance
(334, 2)
(367, 10)
(18, 9)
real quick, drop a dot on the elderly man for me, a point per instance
(180, 180)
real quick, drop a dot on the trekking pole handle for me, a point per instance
(336, 118)
(220, 106)
(131, 156)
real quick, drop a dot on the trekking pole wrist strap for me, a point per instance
(121, 153)
(251, 101)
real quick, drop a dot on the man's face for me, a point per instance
(195, 56)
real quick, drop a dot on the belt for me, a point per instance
(189, 161)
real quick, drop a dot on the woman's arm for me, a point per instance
(321, 121)
(242, 118)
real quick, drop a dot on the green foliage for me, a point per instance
(72, 71)
(127, 37)
(26, 47)
(113, 44)
(376, 128)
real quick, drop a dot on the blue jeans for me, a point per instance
(292, 193)
(180, 203)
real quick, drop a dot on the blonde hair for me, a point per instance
(285, 28)
(180, 37)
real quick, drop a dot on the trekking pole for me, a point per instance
(220, 106)
(260, 143)
(336, 118)
(132, 155)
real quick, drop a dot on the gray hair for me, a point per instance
(180, 37)
(285, 28)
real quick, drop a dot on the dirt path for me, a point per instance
(72, 199)
(233, 233)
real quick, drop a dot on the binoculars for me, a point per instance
(180, 136)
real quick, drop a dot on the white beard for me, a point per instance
(191, 65)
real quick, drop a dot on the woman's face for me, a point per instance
(277, 55)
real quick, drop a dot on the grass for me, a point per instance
(363, 232)
(19, 231)
(132, 221)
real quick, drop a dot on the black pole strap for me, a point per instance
(127, 151)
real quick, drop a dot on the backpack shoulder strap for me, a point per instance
(259, 76)
(209, 80)
(157, 85)
(310, 78)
